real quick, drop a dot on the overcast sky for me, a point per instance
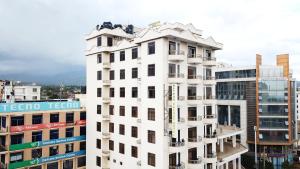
(47, 36)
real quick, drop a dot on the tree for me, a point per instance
(286, 165)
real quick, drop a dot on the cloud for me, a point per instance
(49, 33)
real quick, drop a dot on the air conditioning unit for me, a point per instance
(286, 123)
(287, 136)
(260, 136)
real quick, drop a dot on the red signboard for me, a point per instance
(37, 127)
(80, 122)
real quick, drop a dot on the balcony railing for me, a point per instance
(209, 58)
(209, 116)
(194, 77)
(195, 161)
(195, 118)
(194, 56)
(209, 78)
(210, 97)
(194, 97)
(176, 75)
(211, 155)
(214, 135)
(195, 139)
(177, 143)
(177, 166)
(176, 52)
(181, 98)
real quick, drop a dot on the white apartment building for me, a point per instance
(17, 91)
(151, 100)
(298, 103)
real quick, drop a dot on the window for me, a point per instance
(191, 52)
(122, 110)
(121, 148)
(98, 109)
(122, 91)
(34, 97)
(16, 157)
(52, 165)
(98, 143)
(36, 153)
(111, 127)
(69, 148)
(112, 75)
(134, 73)
(99, 41)
(122, 74)
(37, 136)
(83, 115)
(111, 145)
(82, 130)
(111, 57)
(111, 109)
(69, 132)
(37, 119)
(99, 58)
(109, 41)
(134, 53)
(151, 136)
(111, 92)
(151, 159)
(151, 48)
(134, 111)
(134, 131)
(17, 139)
(98, 161)
(99, 75)
(99, 92)
(151, 70)
(134, 92)
(67, 164)
(17, 121)
(151, 114)
(151, 91)
(54, 134)
(81, 161)
(82, 145)
(122, 129)
(134, 151)
(53, 150)
(54, 118)
(34, 90)
(70, 117)
(99, 126)
(122, 55)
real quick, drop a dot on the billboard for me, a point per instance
(37, 126)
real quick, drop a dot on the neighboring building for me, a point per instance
(17, 91)
(298, 103)
(42, 135)
(151, 100)
(261, 96)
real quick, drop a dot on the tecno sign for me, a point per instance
(38, 106)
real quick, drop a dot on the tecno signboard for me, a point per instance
(38, 106)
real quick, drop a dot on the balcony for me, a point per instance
(106, 65)
(195, 139)
(194, 59)
(224, 131)
(194, 99)
(106, 82)
(106, 100)
(195, 163)
(177, 166)
(176, 78)
(209, 61)
(209, 119)
(209, 81)
(105, 135)
(105, 153)
(179, 98)
(209, 99)
(105, 117)
(229, 151)
(176, 55)
(210, 158)
(210, 138)
(176, 146)
(194, 79)
(194, 120)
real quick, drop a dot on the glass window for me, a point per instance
(121, 148)
(134, 151)
(122, 74)
(151, 159)
(122, 55)
(69, 132)
(99, 92)
(111, 92)
(112, 75)
(16, 157)
(99, 41)
(81, 161)
(151, 114)
(99, 126)
(151, 91)
(151, 136)
(70, 117)
(69, 148)
(99, 58)
(17, 121)
(99, 75)
(134, 111)
(134, 131)
(112, 57)
(98, 143)
(54, 134)
(99, 109)
(98, 161)
(109, 41)
(151, 48)
(52, 165)
(122, 110)
(134, 52)
(17, 139)
(151, 70)
(134, 92)
(37, 136)
(54, 118)
(134, 73)
(82, 130)
(68, 164)
(37, 119)
(53, 150)
(36, 153)
(83, 115)
(122, 91)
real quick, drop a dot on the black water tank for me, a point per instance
(129, 29)
(107, 25)
(118, 26)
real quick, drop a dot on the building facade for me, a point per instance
(266, 99)
(17, 91)
(151, 100)
(42, 135)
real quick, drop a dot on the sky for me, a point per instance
(46, 37)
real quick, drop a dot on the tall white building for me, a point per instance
(151, 100)
(298, 103)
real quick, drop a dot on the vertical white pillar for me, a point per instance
(240, 165)
(234, 141)
(226, 166)
(234, 163)
(229, 117)
(222, 145)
